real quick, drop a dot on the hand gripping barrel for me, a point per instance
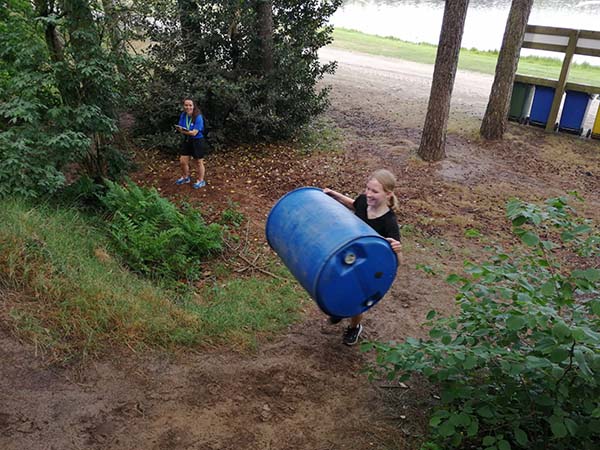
(344, 265)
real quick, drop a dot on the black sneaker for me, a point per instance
(351, 335)
(334, 319)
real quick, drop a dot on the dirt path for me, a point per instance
(304, 390)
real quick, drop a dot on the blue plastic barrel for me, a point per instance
(540, 108)
(573, 112)
(344, 265)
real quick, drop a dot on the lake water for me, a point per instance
(421, 21)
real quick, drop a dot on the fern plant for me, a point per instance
(154, 237)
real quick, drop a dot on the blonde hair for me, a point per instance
(388, 182)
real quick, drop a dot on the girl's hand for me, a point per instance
(327, 191)
(396, 246)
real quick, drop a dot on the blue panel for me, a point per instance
(344, 265)
(573, 112)
(542, 103)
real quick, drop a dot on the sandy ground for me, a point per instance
(304, 389)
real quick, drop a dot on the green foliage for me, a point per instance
(83, 193)
(30, 149)
(58, 97)
(232, 215)
(76, 299)
(73, 298)
(213, 55)
(519, 366)
(154, 237)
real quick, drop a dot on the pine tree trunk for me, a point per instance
(264, 12)
(495, 119)
(433, 141)
(235, 51)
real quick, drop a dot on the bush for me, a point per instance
(58, 109)
(232, 216)
(518, 366)
(217, 61)
(154, 237)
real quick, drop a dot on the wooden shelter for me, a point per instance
(570, 42)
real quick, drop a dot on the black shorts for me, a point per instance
(194, 147)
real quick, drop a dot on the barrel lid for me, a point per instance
(356, 276)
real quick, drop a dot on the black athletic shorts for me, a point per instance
(194, 147)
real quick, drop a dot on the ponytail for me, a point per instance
(394, 204)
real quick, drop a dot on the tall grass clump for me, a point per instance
(75, 298)
(241, 310)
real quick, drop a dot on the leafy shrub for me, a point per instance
(154, 237)
(58, 102)
(84, 192)
(216, 61)
(32, 149)
(519, 365)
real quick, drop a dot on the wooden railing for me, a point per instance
(567, 41)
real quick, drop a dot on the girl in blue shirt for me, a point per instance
(191, 126)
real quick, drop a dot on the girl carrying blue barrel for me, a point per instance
(377, 208)
(191, 125)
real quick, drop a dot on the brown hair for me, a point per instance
(388, 182)
(196, 112)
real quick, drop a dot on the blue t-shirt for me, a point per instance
(189, 124)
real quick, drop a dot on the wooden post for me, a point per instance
(562, 80)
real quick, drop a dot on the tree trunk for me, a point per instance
(495, 119)
(54, 41)
(433, 141)
(235, 51)
(113, 22)
(264, 12)
(187, 12)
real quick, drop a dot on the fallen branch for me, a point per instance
(252, 264)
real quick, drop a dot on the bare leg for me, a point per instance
(201, 170)
(184, 162)
(356, 320)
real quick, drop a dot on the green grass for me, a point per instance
(75, 299)
(474, 60)
(240, 310)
